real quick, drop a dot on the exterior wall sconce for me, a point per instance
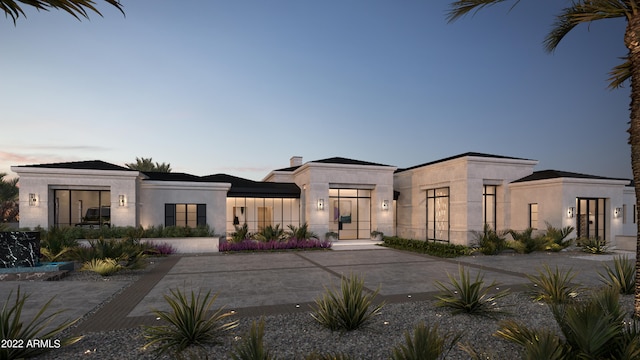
(616, 212)
(33, 200)
(385, 205)
(320, 204)
(122, 201)
(570, 212)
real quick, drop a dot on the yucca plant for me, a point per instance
(490, 242)
(330, 356)
(269, 233)
(104, 267)
(252, 346)
(466, 296)
(189, 323)
(348, 308)
(241, 233)
(525, 242)
(426, 344)
(556, 237)
(13, 327)
(621, 276)
(537, 343)
(300, 233)
(553, 286)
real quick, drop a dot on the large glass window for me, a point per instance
(489, 205)
(86, 208)
(191, 215)
(350, 215)
(438, 214)
(591, 218)
(258, 213)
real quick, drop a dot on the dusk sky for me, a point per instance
(240, 86)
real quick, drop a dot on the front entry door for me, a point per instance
(591, 222)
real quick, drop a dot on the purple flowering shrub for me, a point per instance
(163, 249)
(293, 243)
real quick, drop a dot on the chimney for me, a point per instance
(295, 161)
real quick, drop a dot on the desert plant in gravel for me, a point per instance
(252, 346)
(330, 356)
(554, 287)
(190, 323)
(104, 267)
(622, 275)
(525, 242)
(349, 308)
(426, 344)
(17, 332)
(463, 295)
(592, 245)
(591, 329)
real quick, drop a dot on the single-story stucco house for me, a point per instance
(445, 200)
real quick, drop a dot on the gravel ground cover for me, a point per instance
(294, 336)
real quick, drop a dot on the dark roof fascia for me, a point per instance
(241, 187)
(81, 165)
(334, 160)
(557, 174)
(474, 154)
(172, 176)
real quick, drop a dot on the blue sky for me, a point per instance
(239, 87)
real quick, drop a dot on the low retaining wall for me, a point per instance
(187, 245)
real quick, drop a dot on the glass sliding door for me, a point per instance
(89, 208)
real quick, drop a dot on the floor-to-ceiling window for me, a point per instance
(259, 213)
(350, 215)
(591, 219)
(489, 205)
(438, 214)
(82, 207)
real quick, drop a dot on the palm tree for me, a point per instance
(77, 8)
(586, 11)
(147, 164)
(8, 199)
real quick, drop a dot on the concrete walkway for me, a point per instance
(256, 284)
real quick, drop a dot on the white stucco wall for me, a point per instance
(465, 177)
(555, 196)
(43, 181)
(315, 180)
(155, 194)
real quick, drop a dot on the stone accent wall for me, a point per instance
(19, 249)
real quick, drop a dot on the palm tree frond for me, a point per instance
(461, 8)
(620, 73)
(76, 8)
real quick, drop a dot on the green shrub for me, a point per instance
(621, 276)
(592, 245)
(270, 233)
(242, 233)
(426, 344)
(301, 233)
(252, 346)
(537, 343)
(189, 323)
(489, 242)
(128, 252)
(13, 327)
(443, 250)
(348, 308)
(524, 242)
(556, 238)
(57, 244)
(553, 287)
(104, 267)
(466, 296)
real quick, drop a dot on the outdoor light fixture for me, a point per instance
(33, 200)
(385, 205)
(616, 212)
(320, 204)
(121, 200)
(570, 211)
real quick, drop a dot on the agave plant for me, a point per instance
(104, 267)
(426, 344)
(553, 287)
(329, 356)
(252, 346)
(466, 296)
(348, 308)
(593, 329)
(189, 323)
(621, 276)
(13, 327)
